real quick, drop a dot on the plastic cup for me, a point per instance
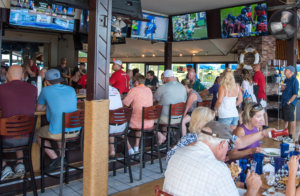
(278, 162)
(284, 148)
(243, 166)
(259, 158)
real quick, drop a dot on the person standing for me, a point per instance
(64, 70)
(259, 81)
(197, 86)
(289, 98)
(119, 79)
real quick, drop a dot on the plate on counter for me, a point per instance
(272, 152)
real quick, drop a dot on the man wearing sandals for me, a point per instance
(16, 98)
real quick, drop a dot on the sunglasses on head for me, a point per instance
(257, 107)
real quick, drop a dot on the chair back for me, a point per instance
(120, 116)
(152, 112)
(73, 119)
(159, 192)
(17, 125)
(204, 104)
(177, 109)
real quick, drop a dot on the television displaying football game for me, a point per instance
(155, 29)
(242, 21)
(189, 27)
(41, 15)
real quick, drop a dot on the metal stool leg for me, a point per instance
(127, 159)
(141, 153)
(67, 173)
(42, 165)
(32, 177)
(61, 177)
(158, 153)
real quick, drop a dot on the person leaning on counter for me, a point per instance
(55, 98)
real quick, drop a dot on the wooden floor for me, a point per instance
(148, 189)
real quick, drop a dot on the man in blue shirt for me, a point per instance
(55, 98)
(289, 98)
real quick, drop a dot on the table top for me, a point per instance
(81, 96)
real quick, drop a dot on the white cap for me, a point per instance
(119, 62)
(168, 73)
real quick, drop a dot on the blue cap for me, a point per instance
(291, 68)
(53, 75)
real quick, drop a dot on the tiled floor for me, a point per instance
(117, 183)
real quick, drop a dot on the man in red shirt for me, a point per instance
(259, 80)
(119, 79)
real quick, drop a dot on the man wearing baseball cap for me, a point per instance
(119, 79)
(289, 98)
(55, 98)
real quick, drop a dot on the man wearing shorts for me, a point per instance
(289, 99)
(260, 82)
(56, 98)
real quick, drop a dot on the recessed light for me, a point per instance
(153, 55)
(143, 55)
(180, 54)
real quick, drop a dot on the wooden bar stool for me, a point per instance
(204, 104)
(175, 110)
(70, 120)
(18, 125)
(119, 117)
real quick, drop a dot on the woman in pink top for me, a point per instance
(138, 97)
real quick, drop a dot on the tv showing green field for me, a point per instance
(189, 26)
(243, 21)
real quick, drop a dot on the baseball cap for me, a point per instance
(220, 130)
(291, 68)
(168, 73)
(53, 75)
(119, 62)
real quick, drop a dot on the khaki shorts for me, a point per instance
(174, 120)
(45, 133)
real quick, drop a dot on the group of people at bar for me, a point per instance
(231, 129)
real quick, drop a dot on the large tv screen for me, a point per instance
(155, 29)
(84, 21)
(241, 21)
(41, 15)
(189, 26)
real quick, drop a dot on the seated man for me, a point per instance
(151, 80)
(197, 86)
(199, 169)
(55, 98)
(16, 97)
(172, 92)
(115, 102)
(138, 97)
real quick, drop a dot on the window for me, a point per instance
(157, 69)
(208, 72)
(180, 71)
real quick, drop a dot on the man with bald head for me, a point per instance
(16, 97)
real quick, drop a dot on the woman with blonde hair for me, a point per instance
(247, 84)
(229, 97)
(253, 118)
(193, 97)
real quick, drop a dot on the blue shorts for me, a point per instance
(233, 121)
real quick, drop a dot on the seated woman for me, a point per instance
(253, 118)
(192, 98)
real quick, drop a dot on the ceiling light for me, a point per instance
(153, 55)
(180, 54)
(143, 55)
(194, 54)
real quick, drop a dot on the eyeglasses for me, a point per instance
(257, 107)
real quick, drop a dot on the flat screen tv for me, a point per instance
(84, 21)
(41, 15)
(189, 27)
(242, 21)
(156, 29)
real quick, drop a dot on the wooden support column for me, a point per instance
(95, 175)
(168, 55)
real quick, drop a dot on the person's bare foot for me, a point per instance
(161, 138)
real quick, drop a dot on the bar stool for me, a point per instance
(149, 113)
(174, 110)
(16, 126)
(118, 117)
(69, 120)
